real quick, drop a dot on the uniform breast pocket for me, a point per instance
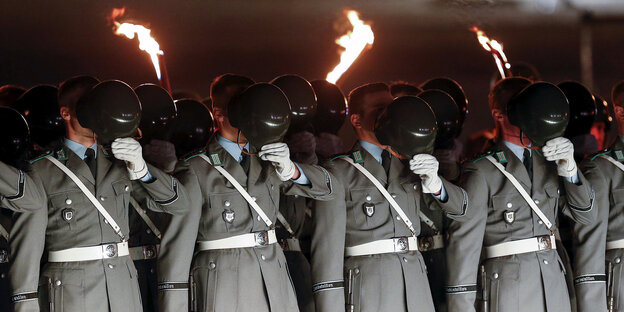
(504, 285)
(122, 190)
(367, 208)
(63, 289)
(68, 210)
(229, 211)
(508, 210)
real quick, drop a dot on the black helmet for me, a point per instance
(39, 106)
(447, 116)
(111, 109)
(455, 90)
(602, 112)
(300, 96)
(408, 126)
(14, 136)
(541, 111)
(192, 128)
(582, 108)
(332, 107)
(157, 111)
(261, 113)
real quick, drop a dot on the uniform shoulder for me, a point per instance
(356, 156)
(193, 154)
(499, 155)
(597, 155)
(59, 154)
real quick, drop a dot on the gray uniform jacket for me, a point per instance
(19, 191)
(590, 240)
(243, 279)
(98, 285)
(524, 282)
(383, 282)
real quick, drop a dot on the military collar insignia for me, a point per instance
(501, 157)
(60, 154)
(357, 157)
(215, 159)
(618, 155)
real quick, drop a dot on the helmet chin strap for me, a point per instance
(242, 149)
(533, 147)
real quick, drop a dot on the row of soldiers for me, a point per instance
(131, 201)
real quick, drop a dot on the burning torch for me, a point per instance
(496, 48)
(147, 43)
(354, 43)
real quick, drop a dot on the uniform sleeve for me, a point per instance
(320, 187)
(465, 243)
(578, 200)
(329, 219)
(166, 192)
(590, 240)
(19, 191)
(177, 245)
(27, 245)
(456, 204)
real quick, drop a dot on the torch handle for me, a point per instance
(164, 80)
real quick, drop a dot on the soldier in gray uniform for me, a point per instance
(516, 193)
(365, 253)
(81, 238)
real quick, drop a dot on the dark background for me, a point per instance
(47, 41)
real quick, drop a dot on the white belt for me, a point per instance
(616, 244)
(393, 245)
(427, 243)
(144, 252)
(106, 251)
(521, 246)
(290, 244)
(256, 239)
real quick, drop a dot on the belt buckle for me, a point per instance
(262, 238)
(401, 244)
(544, 243)
(4, 256)
(149, 252)
(425, 243)
(110, 251)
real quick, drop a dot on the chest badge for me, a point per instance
(510, 216)
(68, 214)
(228, 215)
(369, 209)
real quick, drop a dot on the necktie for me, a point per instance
(528, 163)
(245, 161)
(385, 162)
(90, 160)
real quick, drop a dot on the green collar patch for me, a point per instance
(214, 158)
(60, 154)
(618, 155)
(501, 157)
(357, 157)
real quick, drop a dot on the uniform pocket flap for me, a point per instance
(122, 187)
(498, 269)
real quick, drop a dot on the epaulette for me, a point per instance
(600, 153)
(356, 156)
(500, 156)
(40, 157)
(194, 154)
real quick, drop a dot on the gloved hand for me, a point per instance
(561, 151)
(328, 144)
(130, 151)
(161, 154)
(279, 155)
(426, 166)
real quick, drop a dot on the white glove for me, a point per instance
(561, 151)
(161, 154)
(279, 155)
(426, 166)
(130, 151)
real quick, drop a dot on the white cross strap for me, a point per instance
(4, 233)
(385, 193)
(428, 221)
(90, 196)
(613, 161)
(284, 222)
(522, 191)
(145, 218)
(241, 190)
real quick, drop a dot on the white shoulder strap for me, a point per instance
(284, 222)
(241, 190)
(521, 190)
(385, 193)
(4, 233)
(428, 221)
(613, 161)
(145, 217)
(90, 196)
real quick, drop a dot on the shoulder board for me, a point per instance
(598, 154)
(486, 154)
(36, 159)
(356, 156)
(194, 154)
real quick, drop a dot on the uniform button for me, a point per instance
(495, 276)
(68, 201)
(126, 188)
(509, 205)
(213, 265)
(273, 187)
(415, 187)
(57, 283)
(102, 198)
(369, 198)
(399, 218)
(617, 260)
(545, 261)
(227, 203)
(148, 231)
(253, 198)
(259, 218)
(536, 201)
(111, 266)
(296, 196)
(540, 222)
(105, 221)
(2, 275)
(393, 195)
(263, 257)
(144, 211)
(356, 271)
(405, 260)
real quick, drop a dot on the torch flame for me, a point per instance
(354, 43)
(146, 42)
(496, 48)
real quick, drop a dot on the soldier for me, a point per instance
(82, 235)
(516, 193)
(329, 118)
(364, 249)
(606, 173)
